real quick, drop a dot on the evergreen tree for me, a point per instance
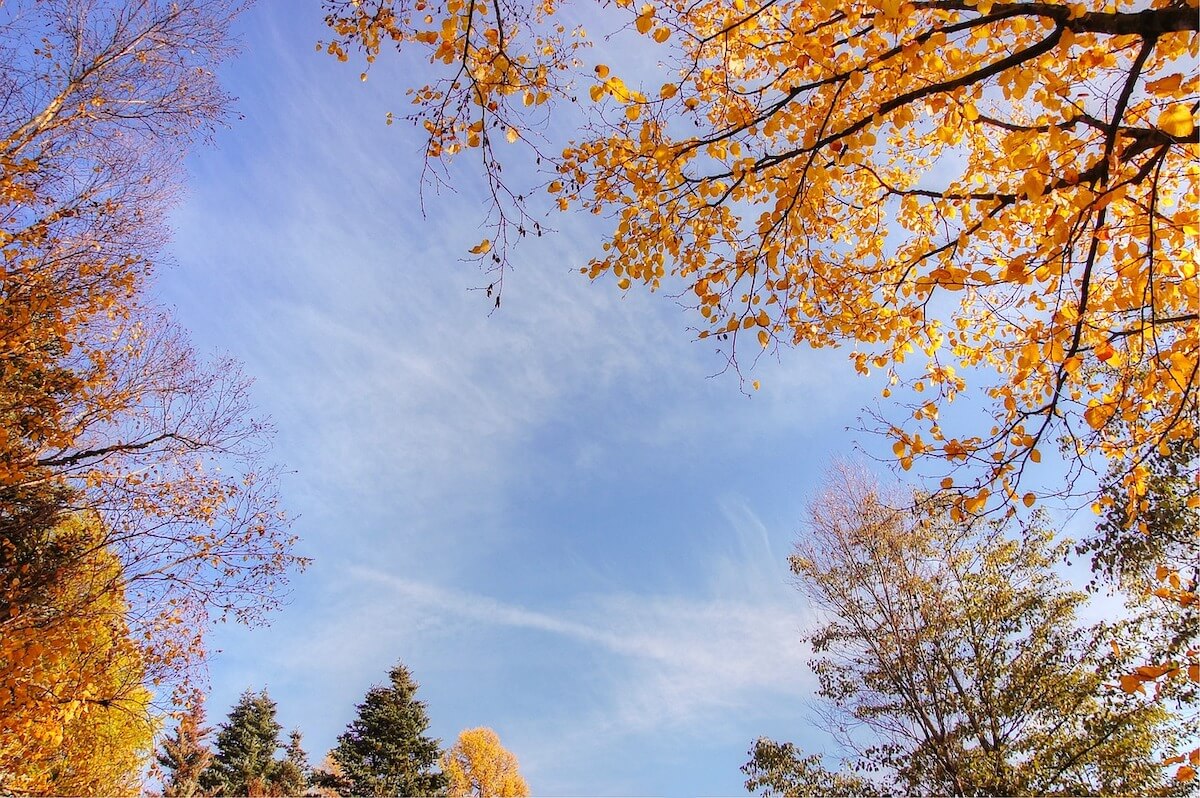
(245, 762)
(384, 751)
(185, 756)
(293, 775)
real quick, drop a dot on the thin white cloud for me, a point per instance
(679, 658)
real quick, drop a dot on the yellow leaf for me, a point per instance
(662, 34)
(668, 91)
(1028, 499)
(1034, 184)
(623, 283)
(645, 21)
(482, 248)
(1096, 416)
(511, 135)
(763, 338)
(1167, 85)
(756, 385)
(1035, 455)
(1131, 684)
(1176, 121)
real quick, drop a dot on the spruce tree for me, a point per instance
(385, 751)
(245, 762)
(184, 756)
(293, 775)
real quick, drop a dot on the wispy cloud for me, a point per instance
(680, 657)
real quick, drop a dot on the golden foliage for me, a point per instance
(103, 404)
(478, 765)
(75, 714)
(964, 192)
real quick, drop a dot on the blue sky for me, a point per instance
(555, 515)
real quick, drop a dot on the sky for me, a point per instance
(561, 516)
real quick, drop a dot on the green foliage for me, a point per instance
(953, 663)
(293, 775)
(781, 769)
(245, 762)
(384, 751)
(1132, 546)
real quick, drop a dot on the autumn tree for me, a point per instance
(952, 662)
(104, 405)
(245, 760)
(184, 756)
(477, 765)
(991, 194)
(75, 714)
(385, 749)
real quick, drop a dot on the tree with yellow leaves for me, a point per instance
(75, 712)
(973, 195)
(104, 405)
(478, 766)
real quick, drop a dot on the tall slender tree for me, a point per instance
(104, 405)
(293, 775)
(385, 751)
(184, 756)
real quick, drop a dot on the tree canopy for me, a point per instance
(953, 663)
(478, 766)
(385, 749)
(999, 195)
(75, 714)
(244, 761)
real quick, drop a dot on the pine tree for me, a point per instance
(293, 775)
(384, 751)
(185, 756)
(245, 762)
